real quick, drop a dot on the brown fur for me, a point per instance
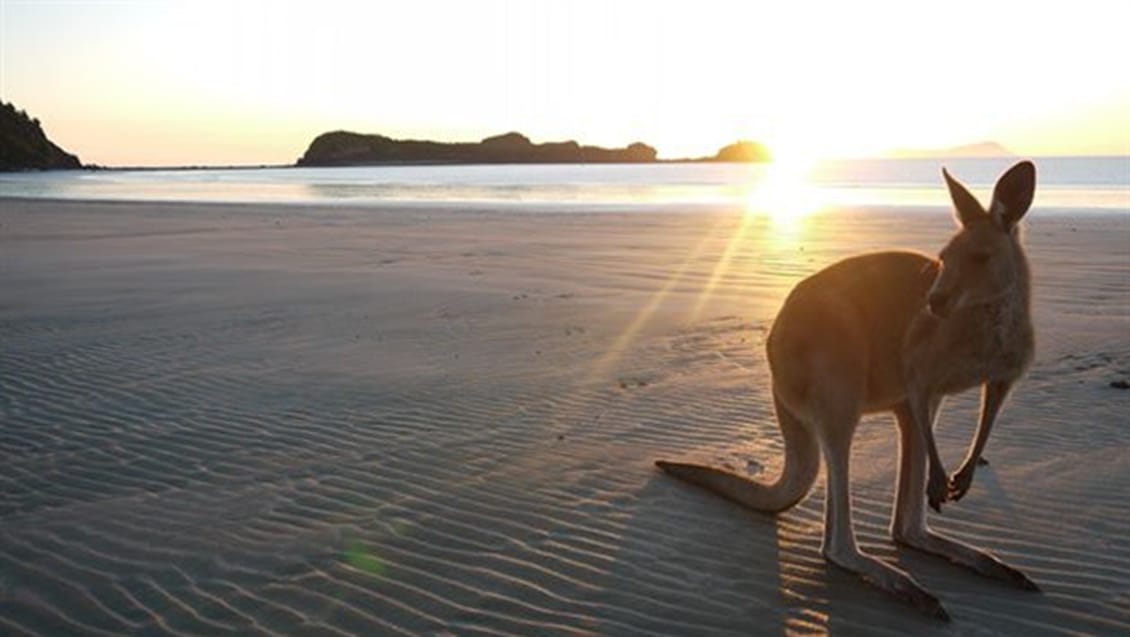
(897, 331)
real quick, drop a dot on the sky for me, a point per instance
(155, 82)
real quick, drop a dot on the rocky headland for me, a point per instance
(24, 145)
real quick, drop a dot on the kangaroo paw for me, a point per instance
(960, 482)
(937, 490)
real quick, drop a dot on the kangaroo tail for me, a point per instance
(802, 462)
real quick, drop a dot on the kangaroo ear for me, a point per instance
(966, 207)
(1013, 195)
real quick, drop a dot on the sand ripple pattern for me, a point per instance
(381, 435)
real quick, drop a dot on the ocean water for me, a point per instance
(1064, 183)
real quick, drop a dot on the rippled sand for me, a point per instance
(278, 420)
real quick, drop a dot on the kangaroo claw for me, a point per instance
(960, 482)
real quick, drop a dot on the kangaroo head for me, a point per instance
(984, 262)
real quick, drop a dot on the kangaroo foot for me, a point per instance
(890, 580)
(970, 557)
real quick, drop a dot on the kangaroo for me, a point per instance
(897, 331)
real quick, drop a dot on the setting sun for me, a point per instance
(784, 194)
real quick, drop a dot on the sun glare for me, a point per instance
(784, 195)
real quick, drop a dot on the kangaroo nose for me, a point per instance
(939, 304)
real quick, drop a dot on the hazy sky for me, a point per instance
(228, 82)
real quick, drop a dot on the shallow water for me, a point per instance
(1074, 183)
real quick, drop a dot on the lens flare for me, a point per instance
(360, 558)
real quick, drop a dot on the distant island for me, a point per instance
(343, 148)
(979, 149)
(24, 145)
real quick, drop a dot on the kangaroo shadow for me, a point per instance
(690, 563)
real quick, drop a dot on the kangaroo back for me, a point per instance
(841, 330)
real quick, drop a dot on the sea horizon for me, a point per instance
(1069, 183)
(659, 160)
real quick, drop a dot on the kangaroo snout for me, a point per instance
(939, 304)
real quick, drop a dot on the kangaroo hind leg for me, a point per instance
(908, 523)
(840, 547)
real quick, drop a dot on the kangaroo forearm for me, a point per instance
(924, 421)
(977, 447)
(992, 398)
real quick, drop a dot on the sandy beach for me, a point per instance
(255, 419)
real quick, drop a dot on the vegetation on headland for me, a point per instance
(24, 145)
(343, 148)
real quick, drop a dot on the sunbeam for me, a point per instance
(628, 335)
(722, 267)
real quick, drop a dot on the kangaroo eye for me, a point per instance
(979, 258)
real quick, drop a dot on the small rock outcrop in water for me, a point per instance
(343, 148)
(24, 145)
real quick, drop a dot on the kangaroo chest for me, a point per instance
(982, 344)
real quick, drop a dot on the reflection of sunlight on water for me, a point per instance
(786, 197)
(778, 207)
(785, 205)
(791, 188)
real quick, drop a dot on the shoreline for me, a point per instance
(679, 160)
(1084, 185)
(522, 208)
